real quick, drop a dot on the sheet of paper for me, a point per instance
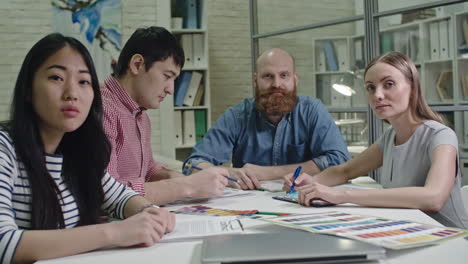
(228, 192)
(272, 186)
(231, 192)
(394, 234)
(197, 227)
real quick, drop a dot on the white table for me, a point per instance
(454, 251)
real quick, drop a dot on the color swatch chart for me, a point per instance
(205, 210)
(394, 234)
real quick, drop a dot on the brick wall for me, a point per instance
(229, 42)
(23, 22)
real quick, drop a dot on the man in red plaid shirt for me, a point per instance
(148, 64)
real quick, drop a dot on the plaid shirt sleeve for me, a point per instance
(154, 167)
(111, 132)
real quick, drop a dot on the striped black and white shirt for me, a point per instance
(15, 197)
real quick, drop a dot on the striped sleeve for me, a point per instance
(10, 235)
(116, 196)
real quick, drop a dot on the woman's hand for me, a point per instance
(301, 180)
(145, 228)
(317, 191)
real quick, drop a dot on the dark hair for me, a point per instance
(86, 151)
(154, 44)
(417, 104)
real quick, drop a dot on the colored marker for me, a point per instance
(296, 174)
(272, 213)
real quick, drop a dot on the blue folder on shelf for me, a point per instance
(181, 86)
(330, 55)
(188, 10)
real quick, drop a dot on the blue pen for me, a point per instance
(296, 174)
(231, 179)
(198, 168)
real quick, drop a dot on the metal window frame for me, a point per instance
(370, 17)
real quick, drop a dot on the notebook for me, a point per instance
(292, 246)
(293, 198)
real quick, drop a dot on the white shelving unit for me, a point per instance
(333, 64)
(438, 46)
(169, 125)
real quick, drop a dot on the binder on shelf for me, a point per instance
(400, 41)
(465, 29)
(181, 86)
(199, 95)
(330, 55)
(200, 13)
(324, 89)
(321, 62)
(444, 39)
(444, 84)
(188, 10)
(200, 125)
(463, 48)
(199, 50)
(465, 131)
(192, 88)
(179, 141)
(413, 51)
(188, 117)
(386, 42)
(434, 44)
(187, 44)
(358, 53)
(342, 55)
(464, 82)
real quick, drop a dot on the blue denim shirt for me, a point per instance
(307, 133)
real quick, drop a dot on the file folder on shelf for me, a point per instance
(178, 128)
(199, 95)
(200, 125)
(413, 45)
(330, 55)
(342, 54)
(434, 40)
(187, 45)
(321, 62)
(444, 47)
(188, 127)
(386, 42)
(192, 88)
(359, 53)
(188, 10)
(181, 86)
(198, 50)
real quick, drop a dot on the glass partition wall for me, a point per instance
(332, 41)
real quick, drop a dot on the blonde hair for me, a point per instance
(417, 104)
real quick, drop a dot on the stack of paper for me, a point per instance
(394, 234)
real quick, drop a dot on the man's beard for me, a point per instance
(274, 104)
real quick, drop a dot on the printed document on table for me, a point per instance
(198, 227)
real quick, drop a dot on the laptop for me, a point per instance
(294, 246)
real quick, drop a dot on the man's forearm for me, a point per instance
(164, 174)
(166, 191)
